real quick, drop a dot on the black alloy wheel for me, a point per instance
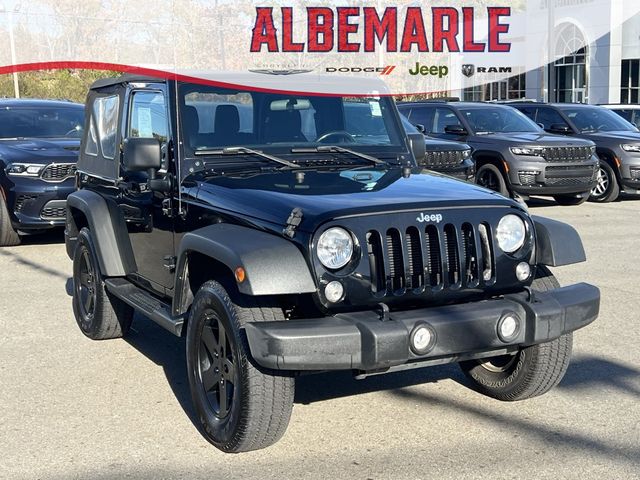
(489, 176)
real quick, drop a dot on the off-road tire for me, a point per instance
(532, 371)
(612, 189)
(258, 410)
(570, 200)
(499, 183)
(106, 316)
(8, 236)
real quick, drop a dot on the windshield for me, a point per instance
(41, 122)
(597, 119)
(214, 118)
(493, 119)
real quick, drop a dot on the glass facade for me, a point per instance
(512, 88)
(630, 81)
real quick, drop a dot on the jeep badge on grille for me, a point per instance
(434, 217)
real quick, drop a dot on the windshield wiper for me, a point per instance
(247, 151)
(337, 149)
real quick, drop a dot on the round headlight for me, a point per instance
(335, 248)
(510, 233)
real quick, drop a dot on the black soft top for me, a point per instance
(125, 78)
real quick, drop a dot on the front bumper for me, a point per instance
(362, 341)
(35, 204)
(538, 177)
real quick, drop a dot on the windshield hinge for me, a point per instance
(170, 262)
(295, 217)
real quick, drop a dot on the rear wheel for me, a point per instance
(8, 236)
(241, 406)
(489, 176)
(531, 371)
(607, 188)
(98, 313)
(569, 200)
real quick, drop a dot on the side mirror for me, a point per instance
(560, 128)
(458, 130)
(140, 154)
(417, 145)
(420, 127)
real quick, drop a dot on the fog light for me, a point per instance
(523, 271)
(422, 339)
(334, 291)
(508, 327)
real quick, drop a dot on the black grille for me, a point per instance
(568, 175)
(58, 171)
(449, 158)
(635, 173)
(21, 200)
(417, 258)
(567, 154)
(53, 212)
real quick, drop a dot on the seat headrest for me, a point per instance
(227, 119)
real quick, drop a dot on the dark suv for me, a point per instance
(617, 142)
(39, 142)
(512, 153)
(284, 240)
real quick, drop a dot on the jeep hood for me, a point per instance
(538, 139)
(622, 136)
(39, 150)
(325, 195)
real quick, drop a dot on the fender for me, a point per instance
(273, 265)
(557, 243)
(108, 231)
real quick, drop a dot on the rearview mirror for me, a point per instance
(455, 130)
(140, 154)
(417, 145)
(560, 128)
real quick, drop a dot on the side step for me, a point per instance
(145, 303)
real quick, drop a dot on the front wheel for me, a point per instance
(607, 188)
(241, 407)
(532, 370)
(489, 176)
(8, 236)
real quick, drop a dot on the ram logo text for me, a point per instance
(434, 217)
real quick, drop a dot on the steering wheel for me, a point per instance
(346, 136)
(75, 130)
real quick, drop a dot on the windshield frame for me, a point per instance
(506, 108)
(565, 109)
(396, 149)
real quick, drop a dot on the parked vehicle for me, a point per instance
(617, 142)
(39, 142)
(451, 158)
(631, 113)
(305, 244)
(513, 155)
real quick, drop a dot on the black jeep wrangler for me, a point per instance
(277, 241)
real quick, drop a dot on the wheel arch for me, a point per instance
(609, 156)
(272, 265)
(109, 232)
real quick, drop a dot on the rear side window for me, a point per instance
(529, 112)
(548, 117)
(103, 127)
(626, 114)
(444, 117)
(422, 116)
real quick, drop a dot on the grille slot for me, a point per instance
(435, 257)
(450, 158)
(57, 172)
(53, 212)
(22, 199)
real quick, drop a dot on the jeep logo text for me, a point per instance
(434, 217)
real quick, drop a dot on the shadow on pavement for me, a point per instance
(586, 373)
(16, 257)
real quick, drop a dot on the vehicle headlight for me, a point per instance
(531, 151)
(511, 233)
(631, 148)
(24, 169)
(593, 149)
(466, 154)
(335, 248)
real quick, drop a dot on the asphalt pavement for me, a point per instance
(74, 408)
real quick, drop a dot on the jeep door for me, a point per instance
(149, 213)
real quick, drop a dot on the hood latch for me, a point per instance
(295, 218)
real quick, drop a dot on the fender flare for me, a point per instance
(557, 243)
(273, 265)
(108, 231)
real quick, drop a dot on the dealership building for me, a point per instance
(590, 56)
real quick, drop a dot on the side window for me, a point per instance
(422, 116)
(626, 114)
(444, 117)
(148, 116)
(103, 127)
(548, 117)
(529, 112)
